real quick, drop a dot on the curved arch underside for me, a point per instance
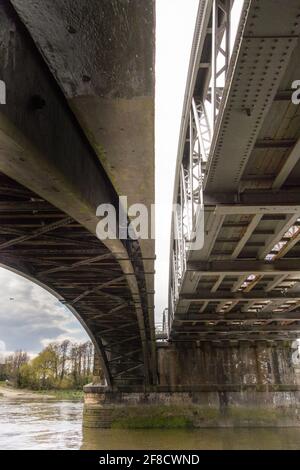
(67, 146)
(44, 244)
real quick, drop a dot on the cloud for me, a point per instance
(2, 351)
(174, 34)
(31, 317)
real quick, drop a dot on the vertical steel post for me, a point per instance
(214, 49)
(227, 33)
(191, 168)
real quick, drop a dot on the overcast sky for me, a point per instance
(175, 22)
(30, 317)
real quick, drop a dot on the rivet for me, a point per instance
(71, 30)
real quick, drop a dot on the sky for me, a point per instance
(175, 22)
(31, 317)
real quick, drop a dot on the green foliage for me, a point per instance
(10, 370)
(63, 366)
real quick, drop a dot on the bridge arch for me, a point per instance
(60, 158)
(71, 309)
(79, 270)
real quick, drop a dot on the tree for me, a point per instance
(64, 350)
(13, 364)
(60, 365)
(46, 366)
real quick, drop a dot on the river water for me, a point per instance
(50, 424)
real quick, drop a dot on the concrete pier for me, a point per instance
(224, 407)
(205, 386)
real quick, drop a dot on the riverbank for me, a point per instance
(25, 394)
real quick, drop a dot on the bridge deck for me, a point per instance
(234, 287)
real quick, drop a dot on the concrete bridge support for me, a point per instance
(206, 385)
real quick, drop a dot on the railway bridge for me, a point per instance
(77, 131)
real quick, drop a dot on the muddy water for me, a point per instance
(45, 424)
(50, 424)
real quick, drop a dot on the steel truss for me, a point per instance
(201, 123)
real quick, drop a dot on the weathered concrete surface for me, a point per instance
(186, 364)
(190, 409)
(107, 46)
(297, 372)
(206, 386)
(102, 56)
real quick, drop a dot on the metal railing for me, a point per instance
(162, 328)
(202, 116)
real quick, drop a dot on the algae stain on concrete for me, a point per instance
(152, 422)
(164, 417)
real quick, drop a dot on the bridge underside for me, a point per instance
(243, 285)
(45, 245)
(55, 172)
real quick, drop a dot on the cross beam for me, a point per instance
(270, 209)
(237, 316)
(240, 267)
(96, 289)
(36, 233)
(236, 337)
(207, 295)
(78, 264)
(268, 199)
(242, 328)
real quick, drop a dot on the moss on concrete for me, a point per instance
(258, 416)
(151, 417)
(170, 416)
(162, 416)
(151, 422)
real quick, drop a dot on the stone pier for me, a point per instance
(205, 385)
